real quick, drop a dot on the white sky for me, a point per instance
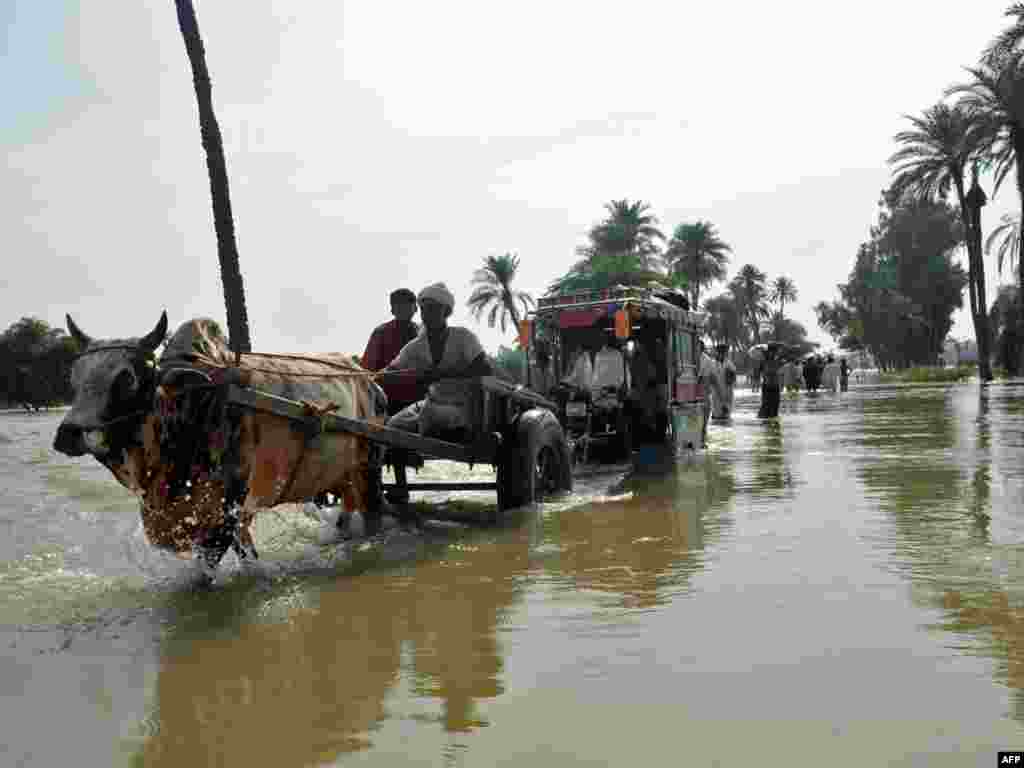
(376, 145)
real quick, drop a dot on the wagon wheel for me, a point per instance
(546, 472)
(535, 461)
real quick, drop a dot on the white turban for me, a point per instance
(438, 292)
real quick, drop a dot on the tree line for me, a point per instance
(904, 286)
(627, 247)
(35, 364)
(977, 127)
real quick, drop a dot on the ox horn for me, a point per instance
(155, 338)
(76, 333)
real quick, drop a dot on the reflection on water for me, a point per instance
(642, 545)
(313, 666)
(771, 470)
(939, 493)
(316, 664)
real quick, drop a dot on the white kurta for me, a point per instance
(726, 391)
(830, 377)
(792, 377)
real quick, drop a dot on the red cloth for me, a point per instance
(580, 318)
(385, 343)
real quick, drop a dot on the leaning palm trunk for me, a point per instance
(981, 326)
(976, 281)
(227, 251)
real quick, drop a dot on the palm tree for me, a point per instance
(494, 294)
(725, 320)
(216, 167)
(781, 292)
(1007, 235)
(697, 252)
(620, 249)
(1007, 41)
(994, 99)
(749, 289)
(629, 228)
(932, 161)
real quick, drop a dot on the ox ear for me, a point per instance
(154, 338)
(76, 333)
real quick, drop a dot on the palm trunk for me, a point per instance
(227, 251)
(510, 305)
(981, 323)
(975, 281)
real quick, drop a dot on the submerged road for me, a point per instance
(843, 586)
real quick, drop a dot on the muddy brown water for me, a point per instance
(843, 585)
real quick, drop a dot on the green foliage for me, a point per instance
(1006, 318)
(698, 253)
(620, 251)
(494, 295)
(725, 321)
(630, 228)
(604, 270)
(903, 288)
(1006, 240)
(791, 333)
(782, 291)
(510, 364)
(750, 291)
(35, 363)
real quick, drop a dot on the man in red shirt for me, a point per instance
(386, 342)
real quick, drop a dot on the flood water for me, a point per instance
(844, 586)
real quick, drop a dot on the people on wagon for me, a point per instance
(387, 341)
(648, 394)
(581, 373)
(439, 352)
(609, 370)
(725, 374)
(771, 384)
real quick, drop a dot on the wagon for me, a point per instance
(653, 322)
(513, 429)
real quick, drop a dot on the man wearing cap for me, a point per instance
(439, 352)
(387, 341)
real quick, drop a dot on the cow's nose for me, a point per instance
(69, 440)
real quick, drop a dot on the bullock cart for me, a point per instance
(513, 429)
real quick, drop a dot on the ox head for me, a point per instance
(113, 383)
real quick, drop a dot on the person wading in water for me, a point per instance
(771, 383)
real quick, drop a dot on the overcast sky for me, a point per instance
(375, 145)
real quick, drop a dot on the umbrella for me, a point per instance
(757, 351)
